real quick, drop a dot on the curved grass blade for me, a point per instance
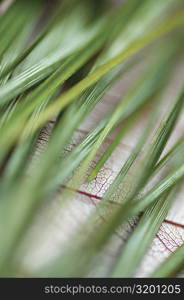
(172, 265)
(142, 236)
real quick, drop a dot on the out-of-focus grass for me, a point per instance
(59, 70)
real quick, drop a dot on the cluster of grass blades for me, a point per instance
(57, 64)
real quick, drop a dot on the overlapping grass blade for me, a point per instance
(165, 27)
(94, 35)
(49, 162)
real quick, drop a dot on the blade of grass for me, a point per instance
(90, 36)
(171, 265)
(8, 32)
(142, 236)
